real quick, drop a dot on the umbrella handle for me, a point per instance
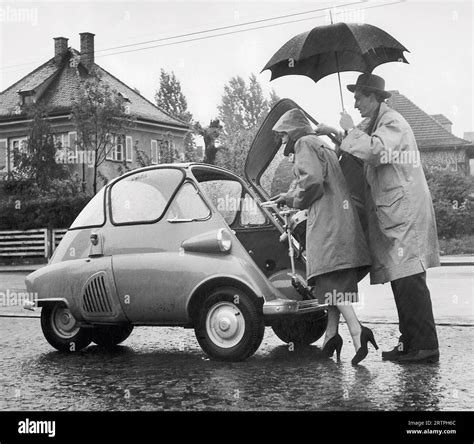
(340, 88)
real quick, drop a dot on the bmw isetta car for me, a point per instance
(187, 245)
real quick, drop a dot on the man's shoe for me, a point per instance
(420, 356)
(393, 355)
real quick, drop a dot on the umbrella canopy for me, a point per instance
(335, 48)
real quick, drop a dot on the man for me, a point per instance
(401, 223)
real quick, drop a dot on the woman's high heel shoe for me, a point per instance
(335, 343)
(366, 335)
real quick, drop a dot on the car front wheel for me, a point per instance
(111, 335)
(61, 330)
(301, 329)
(229, 326)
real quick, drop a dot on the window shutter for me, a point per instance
(154, 151)
(110, 152)
(3, 154)
(72, 139)
(128, 149)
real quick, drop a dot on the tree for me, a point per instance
(37, 160)
(242, 111)
(170, 98)
(100, 116)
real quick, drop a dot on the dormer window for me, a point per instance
(28, 96)
(124, 97)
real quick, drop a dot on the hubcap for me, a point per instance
(225, 324)
(63, 322)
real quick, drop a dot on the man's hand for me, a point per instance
(346, 121)
(279, 199)
(325, 130)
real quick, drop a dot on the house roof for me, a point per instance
(64, 82)
(442, 119)
(429, 132)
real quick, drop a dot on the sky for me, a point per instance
(438, 34)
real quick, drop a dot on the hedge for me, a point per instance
(41, 212)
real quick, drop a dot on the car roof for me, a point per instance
(181, 165)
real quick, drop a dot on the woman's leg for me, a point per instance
(353, 323)
(333, 323)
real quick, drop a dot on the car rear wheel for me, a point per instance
(61, 330)
(111, 335)
(301, 329)
(229, 325)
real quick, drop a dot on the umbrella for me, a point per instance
(335, 48)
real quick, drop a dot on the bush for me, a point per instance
(460, 245)
(453, 202)
(41, 212)
(27, 207)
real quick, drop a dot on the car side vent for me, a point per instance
(96, 295)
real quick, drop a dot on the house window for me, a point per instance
(60, 140)
(66, 142)
(28, 100)
(18, 145)
(117, 152)
(3, 155)
(155, 155)
(128, 149)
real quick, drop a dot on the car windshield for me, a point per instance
(144, 196)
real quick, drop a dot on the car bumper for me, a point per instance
(279, 307)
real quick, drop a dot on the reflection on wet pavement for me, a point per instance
(164, 369)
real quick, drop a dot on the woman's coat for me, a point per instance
(334, 238)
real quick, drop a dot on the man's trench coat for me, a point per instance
(401, 223)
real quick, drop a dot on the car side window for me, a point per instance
(251, 214)
(143, 197)
(188, 204)
(225, 195)
(93, 213)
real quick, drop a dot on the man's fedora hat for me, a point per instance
(371, 83)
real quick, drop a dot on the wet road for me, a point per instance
(164, 369)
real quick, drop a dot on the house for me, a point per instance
(439, 148)
(54, 84)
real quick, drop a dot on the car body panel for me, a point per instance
(67, 281)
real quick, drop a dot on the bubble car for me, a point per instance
(183, 245)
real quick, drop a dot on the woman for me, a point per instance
(336, 249)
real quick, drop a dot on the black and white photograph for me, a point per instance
(236, 220)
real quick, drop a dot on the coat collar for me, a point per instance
(384, 108)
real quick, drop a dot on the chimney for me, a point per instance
(87, 49)
(60, 48)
